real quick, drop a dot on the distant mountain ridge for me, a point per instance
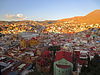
(91, 18)
(68, 25)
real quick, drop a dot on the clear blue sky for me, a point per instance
(45, 9)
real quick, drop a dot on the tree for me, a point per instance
(54, 49)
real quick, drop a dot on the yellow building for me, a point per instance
(33, 42)
(28, 39)
(28, 43)
(23, 43)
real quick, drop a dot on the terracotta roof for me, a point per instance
(42, 61)
(33, 38)
(63, 54)
(46, 53)
(77, 53)
(87, 35)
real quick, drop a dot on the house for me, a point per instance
(46, 54)
(23, 43)
(33, 41)
(28, 43)
(28, 39)
(63, 63)
(43, 63)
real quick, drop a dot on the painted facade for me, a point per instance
(62, 66)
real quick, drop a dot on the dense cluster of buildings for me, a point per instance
(20, 26)
(66, 27)
(45, 27)
(26, 48)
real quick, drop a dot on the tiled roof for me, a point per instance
(63, 54)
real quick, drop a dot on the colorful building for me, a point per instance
(23, 43)
(28, 39)
(63, 63)
(43, 63)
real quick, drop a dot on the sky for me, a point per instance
(39, 10)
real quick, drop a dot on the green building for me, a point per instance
(62, 64)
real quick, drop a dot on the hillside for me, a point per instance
(91, 18)
(68, 25)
